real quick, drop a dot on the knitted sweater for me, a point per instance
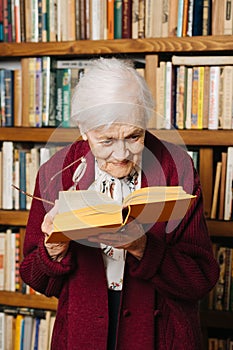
(161, 292)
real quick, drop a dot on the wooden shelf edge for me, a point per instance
(220, 228)
(216, 319)
(34, 301)
(14, 217)
(69, 135)
(119, 46)
(19, 218)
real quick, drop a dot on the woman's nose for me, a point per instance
(120, 150)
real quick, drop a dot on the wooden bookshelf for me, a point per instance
(204, 139)
(19, 218)
(221, 44)
(67, 135)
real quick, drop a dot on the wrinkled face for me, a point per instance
(117, 148)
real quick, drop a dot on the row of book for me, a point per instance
(222, 207)
(18, 167)
(37, 92)
(221, 297)
(27, 329)
(194, 92)
(220, 344)
(60, 20)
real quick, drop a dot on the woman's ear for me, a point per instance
(84, 136)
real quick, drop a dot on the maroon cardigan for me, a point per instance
(159, 305)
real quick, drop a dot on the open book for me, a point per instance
(84, 213)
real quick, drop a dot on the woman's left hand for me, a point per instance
(130, 237)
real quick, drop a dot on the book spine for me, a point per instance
(7, 166)
(110, 19)
(227, 97)
(2, 259)
(180, 96)
(46, 64)
(164, 18)
(66, 97)
(185, 18)
(206, 25)
(10, 22)
(17, 21)
(135, 13)
(22, 21)
(197, 17)
(227, 29)
(228, 190)
(38, 93)
(5, 20)
(206, 96)
(59, 84)
(214, 97)
(1, 22)
(22, 179)
(118, 19)
(213, 213)
(180, 18)
(44, 20)
(141, 19)
(32, 91)
(194, 114)
(168, 95)
(222, 186)
(9, 97)
(16, 176)
(189, 87)
(200, 97)
(190, 18)
(126, 19)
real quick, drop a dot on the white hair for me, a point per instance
(111, 90)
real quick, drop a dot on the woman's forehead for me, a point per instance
(116, 130)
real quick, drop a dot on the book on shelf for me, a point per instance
(202, 60)
(84, 213)
(229, 183)
(222, 185)
(214, 97)
(213, 214)
(126, 19)
(172, 17)
(110, 19)
(217, 27)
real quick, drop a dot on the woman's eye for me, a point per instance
(106, 142)
(134, 138)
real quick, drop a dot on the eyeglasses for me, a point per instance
(78, 174)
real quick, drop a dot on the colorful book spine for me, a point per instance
(118, 19)
(127, 19)
(214, 97)
(9, 97)
(66, 97)
(22, 179)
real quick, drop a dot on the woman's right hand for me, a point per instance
(56, 251)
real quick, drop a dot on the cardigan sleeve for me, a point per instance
(37, 269)
(180, 263)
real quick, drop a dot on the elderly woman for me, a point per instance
(138, 289)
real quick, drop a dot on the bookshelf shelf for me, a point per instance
(66, 135)
(118, 46)
(34, 301)
(19, 218)
(217, 319)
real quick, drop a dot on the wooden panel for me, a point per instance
(118, 46)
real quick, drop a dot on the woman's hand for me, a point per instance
(130, 237)
(56, 251)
